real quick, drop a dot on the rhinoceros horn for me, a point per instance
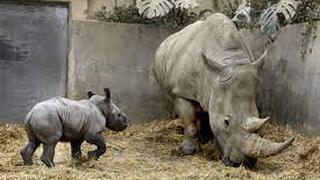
(253, 124)
(255, 146)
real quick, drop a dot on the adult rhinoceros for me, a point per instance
(61, 119)
(208, 66)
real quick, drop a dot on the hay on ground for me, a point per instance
(147, 151)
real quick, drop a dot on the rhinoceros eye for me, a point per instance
(227, 121)
(227, 77)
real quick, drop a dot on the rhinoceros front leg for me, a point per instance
(99, 141)
(76, 148)
(187, 112)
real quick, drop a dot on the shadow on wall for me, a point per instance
(274, 94)
(11, 52)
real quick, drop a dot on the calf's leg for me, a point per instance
(76, 148)
(99, 141)
(187, 112)
(48, 154)
(29, 150)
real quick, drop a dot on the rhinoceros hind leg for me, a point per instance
(187, 112)
(76, 148)
(48, 154)
(29, 150)
(99, 141)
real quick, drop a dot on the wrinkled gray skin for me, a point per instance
(208, 67)
(61, 119)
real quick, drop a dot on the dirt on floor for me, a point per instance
(147, 151)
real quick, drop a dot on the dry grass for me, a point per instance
(147, 152)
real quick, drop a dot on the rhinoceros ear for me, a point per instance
(89, 94)
(216, 66)
(107, 93)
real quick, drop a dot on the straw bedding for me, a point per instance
(147, 151)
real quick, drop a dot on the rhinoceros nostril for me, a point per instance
(126, 121)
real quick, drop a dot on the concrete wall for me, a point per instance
(95, 5)
(33, 55)
(78, 8)
(289, 90)
(117, 56)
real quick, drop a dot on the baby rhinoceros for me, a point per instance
(65, 120)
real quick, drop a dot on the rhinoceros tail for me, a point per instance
(28, 117)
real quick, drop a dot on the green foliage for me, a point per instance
(157, 8)
(278, 15)
(270, 17)
(175, 19)
(154, 8)
(308, 11)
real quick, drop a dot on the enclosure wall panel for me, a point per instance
(33, 56)
(289, 81)
(118, 56)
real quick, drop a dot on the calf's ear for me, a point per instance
(89, 94)
(107, 93)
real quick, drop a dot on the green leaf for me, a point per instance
(154, 8)
(270, 21)
(186, 4)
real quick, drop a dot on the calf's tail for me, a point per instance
(27, 126)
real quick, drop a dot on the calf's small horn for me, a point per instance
(255, 146)
(253, 124)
